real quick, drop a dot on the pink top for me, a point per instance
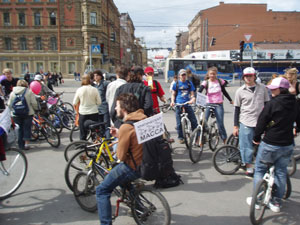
(214, 92)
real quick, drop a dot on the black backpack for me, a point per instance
(19, 105)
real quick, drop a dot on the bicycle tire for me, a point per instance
(50, 133)
(292, 167)
(74, 147)
(67, 106)
(185, 131)
(78, 163)
(68, 120)
(288, 188)
(257, 207)
(229, 157)
(53, 116)
(75, 134)
(233, 140)
(85, 191)
(196, 149)
(165, 108)
(150, 207)
(214, 137)
(13, 171)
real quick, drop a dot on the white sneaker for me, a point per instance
(275, 207)
(249, 201)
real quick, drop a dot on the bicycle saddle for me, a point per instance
(267, 163)
(91, 125)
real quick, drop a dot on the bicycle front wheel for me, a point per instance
(227, 159)
(214, 136)
(185, 131)
(258, 206)
(12, 172)
(150, 207)
(233, 140)
(292, 167)
(196, 145)
(74, 147)
(51, 134)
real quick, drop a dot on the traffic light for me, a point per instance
(213, 41)
(241, 50)
(102, 48)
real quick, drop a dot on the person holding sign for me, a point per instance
(183, 92)
(215, 89)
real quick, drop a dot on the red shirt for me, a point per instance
(155, 94)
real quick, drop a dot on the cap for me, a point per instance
(249, 71)
(182, 71)
(279, 82)
(38, 77)
(149, 69)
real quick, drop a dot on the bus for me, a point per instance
(198, 67)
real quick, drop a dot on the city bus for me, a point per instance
(198, 67)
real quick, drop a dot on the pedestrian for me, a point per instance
(89, 100)
(24, 121)
(276, 122)
(8, 83)
(175, 78)
(193, 78)
(156, 89)
(75, 75)
(249, 101)
(127, 108)
(60, 77)
(183, 91)
(135, 86)
(78, 76)
(27, 77)
(215, 89)
(292, 75)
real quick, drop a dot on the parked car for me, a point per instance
(155, 72)
(265, 77)
(108, 76)
(160, 72)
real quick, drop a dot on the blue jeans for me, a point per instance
(191, 116)
(119, 175)
(245, 141)
(219, 112)
(24, 133)
(280, 156)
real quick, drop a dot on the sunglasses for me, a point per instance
(183, 74)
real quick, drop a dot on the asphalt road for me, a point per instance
(206, 197)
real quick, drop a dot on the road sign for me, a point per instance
(247, 36)
(248, 47)
(96, 49)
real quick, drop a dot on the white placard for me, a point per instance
(149, 128)
(201, 99)
(5, 120)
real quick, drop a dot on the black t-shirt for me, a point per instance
(8, 85)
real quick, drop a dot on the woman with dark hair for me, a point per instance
(89, 99)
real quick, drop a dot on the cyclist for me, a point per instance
(8, 83)
(276, 122)
(156, 89)
(127, 108)
(183, 92)
(215, 88)
(249, 102)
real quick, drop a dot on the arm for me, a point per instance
(33, 101)
(226, 94)
(263, 120)
(237, 111)
(125, 133)
(173, 98)
(201, 88)
(192, 94)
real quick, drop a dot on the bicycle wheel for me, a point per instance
(67, 106)
(185, 131)
(233, 140)
(34, 132)
(56, 121)
(50, 133)
(150, 207)
(74, 147)
(227, 159)
(79, 162)
(85, 190)
(214, 136)
(196, 145)
(12, 172)
(288, 188)
(258, 206)
(292, 167)
(68, 120)
(75, 134)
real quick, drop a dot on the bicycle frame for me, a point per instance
(269, 177)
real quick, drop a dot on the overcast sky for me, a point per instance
(158, 21)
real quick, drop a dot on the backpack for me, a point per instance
(19, 105)
(172, 180)
(157, 162)
(177, 87)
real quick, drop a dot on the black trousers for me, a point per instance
(82, 118)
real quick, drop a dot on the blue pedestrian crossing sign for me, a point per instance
(96, 49)
(248, 47)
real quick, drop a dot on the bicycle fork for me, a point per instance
(270, 178)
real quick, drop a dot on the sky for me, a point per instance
(158, 21)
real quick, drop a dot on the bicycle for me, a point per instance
(13, 171)
(263, 193)
(185, 123)
(148, 206)
(206, 131)
(167, 106)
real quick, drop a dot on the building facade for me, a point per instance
(57, 35)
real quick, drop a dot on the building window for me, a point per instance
(52, 0)
(93, 18)
(71, 67)
(21, 0)
(94, 40)
(37, 19)
(24, 67)
(36, 0)
(9, 65)
(6, 19)
(22, 19)
(7, 42)
(40, 67)
(53, 43)
(23, 44)
(52, 18)
(53, 66)
(38, 43)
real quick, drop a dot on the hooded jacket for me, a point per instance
(29, 96)
(277, 121)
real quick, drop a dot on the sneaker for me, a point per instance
(249, 201)
(181, 141)
(275, 207)
(249, 175)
